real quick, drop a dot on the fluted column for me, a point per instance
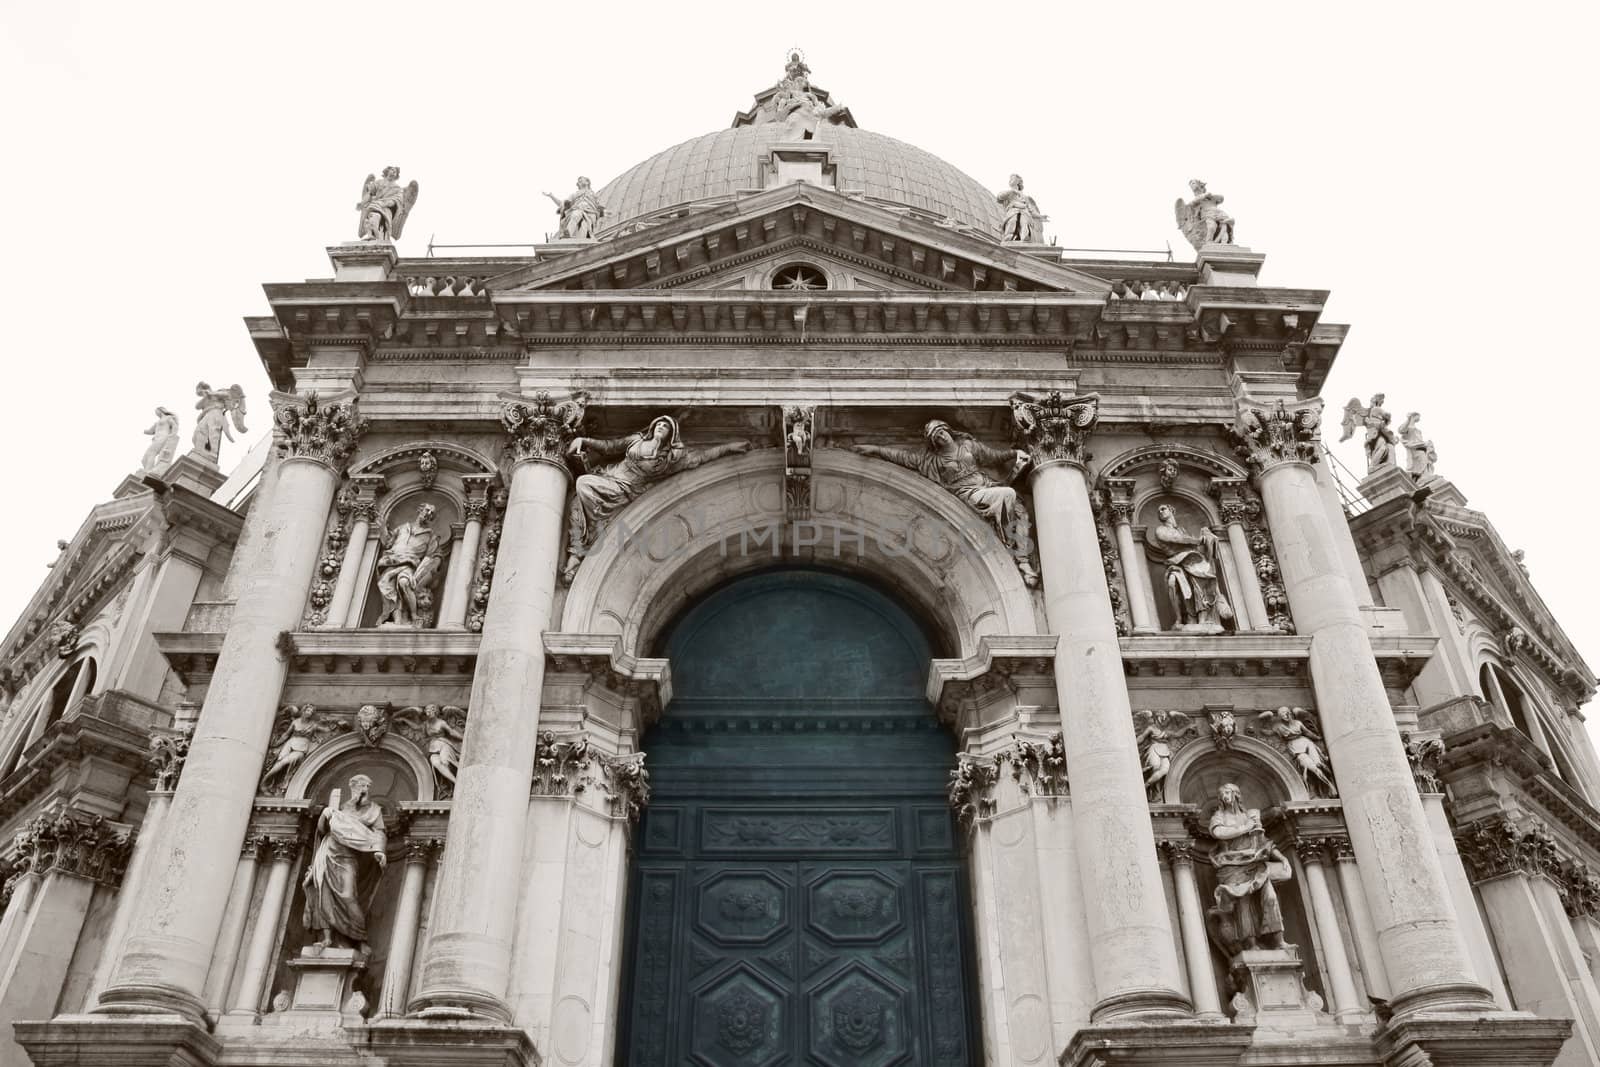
(174, 929)
(1313, 860)
(403, 936)
(362, 514)
(1134, 958)
(1252, 605)
(1134, 576)
(264, 935)
(466, 965)
(1418, 932)
(464, 563)
(1192, 926)
(231, 939)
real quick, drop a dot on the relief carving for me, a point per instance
(1041, 766)
(72, 842)
(1494, 847)
(560, 765)
(972, 788)
(1161, 733)
(326, 433)
(1295, 730)
(1266, 437)
(798, 430)
(298, 730)
(438, 730)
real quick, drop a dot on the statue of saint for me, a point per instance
(1420, 453)
(1296, 729)
(1023, 221)
(580, 213)
(1202, 219)
(163, 444)
(1246, 914)
(347, 861)
(1193, 566)
(412, 553)
(956, 461)
(211, 425)
(644, 458)
(797, 105)
(1377, 439)
(384, 206)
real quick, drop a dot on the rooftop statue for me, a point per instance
(1023, 221)
(797, 105)
(211, 425)
(384, 206)
(1202, 219)
(1420, 453)
(580, 213)
(1377, 439)
(163, 444)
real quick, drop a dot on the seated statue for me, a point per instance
(410, 561)
(1192, 568)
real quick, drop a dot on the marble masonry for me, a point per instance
(800, 613)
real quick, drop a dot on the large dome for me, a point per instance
(726, 162)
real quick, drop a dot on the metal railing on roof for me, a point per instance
(1346, 482)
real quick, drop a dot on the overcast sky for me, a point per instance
(1431, 164)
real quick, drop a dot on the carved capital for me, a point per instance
(310, 429)
(168, 751)
(1055, 429)
(65, 635)
(1494, 847)
(1425, 755)
(1041, 766)
(627, 785)
(1269, 436)
(282, 847)
(1343, 850)
(1179, 853)
(422, 849)
(972, 788)
(1579, 888)
(1311, 849)
(562, 766)
(76, 843)
(541, 429)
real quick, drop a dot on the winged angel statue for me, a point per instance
(384, 206)
(298, 730)
(1378, 439)
(1296, 730)
(1202, 219)
(439, 730)
(1159, 731)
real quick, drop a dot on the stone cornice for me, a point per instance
(110, 729)
(1400, 659)
(999, 659)
(445, 653)
(1490, 746)
(601, 657)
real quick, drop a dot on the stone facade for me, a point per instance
(346, 756)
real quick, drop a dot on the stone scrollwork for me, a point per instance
(1041, 766)
(1268, 436)
(1496, 846)
(972, 788)
(73, 842)
(325, 432)
(542, 428)
(1055, 428)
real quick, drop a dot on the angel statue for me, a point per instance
(1420, 453)
(643, 458)
(1023, 221)
(1377, 439)
(441, 729)
(412, 554)
(1296, 729)
(955, 460)
(211, 425)
(1159, 730)
(297, 732)
(1202, 219)
(1245, 912)
(384, 206)
(163, 444)
(580, 213)
(1193, 564)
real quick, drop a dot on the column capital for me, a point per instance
(541, 429)
(323, 432)
(1311, 850)
(1270, 436)
(1055, 429)
(1119, 498)
(76, 843)
(1497, 846)
(1179, 852)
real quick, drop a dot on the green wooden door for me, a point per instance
(797, 896)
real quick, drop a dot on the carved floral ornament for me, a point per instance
(1497, 846)
(1039, 766)
(1268, 436)
(72, 842)
(541, 429)
(311, 429)
(436, 730)
(567, 766)
(1055, 428)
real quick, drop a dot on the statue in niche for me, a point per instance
(956, 460)
(1377, 439)
(797, 105)
(211, 425)
(1193, 563)
(1246, 914)
(1202, 219)
(412, 554)
(579, 213)
(1023, 221)
(1420, 453)
(348, 858)
(1296, 730)
(384, 206)
(439, 729)
(163, 434)
(1159, 731)
(645, 458)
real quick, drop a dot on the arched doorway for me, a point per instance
(797, 897)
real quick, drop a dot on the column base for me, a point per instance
(444, 1043)
(1484, 1039)
(1153, 1004)
(1158, 1044)
(129, 1041)
(150, 1000)
(1456, 998)
(462, 1004)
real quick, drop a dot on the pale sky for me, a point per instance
(1431, 164)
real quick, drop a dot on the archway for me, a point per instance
(797, 896)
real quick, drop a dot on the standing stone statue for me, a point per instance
(1023, 221)
(1420, 453)
(1246, 914)
(341, 880)
(163, 444)
(384, 206)
(1377, 439)
(580, 213)
(412, 553)
(1202, 219)
(1193, 570)
(211, 425)
(956, 460)
(645, 458)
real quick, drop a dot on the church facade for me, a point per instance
(796, 615)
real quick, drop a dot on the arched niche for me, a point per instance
(408, 457)
(898, 530)
(401, 506)
(1265, 777)
(1204, 464)
(346, 755)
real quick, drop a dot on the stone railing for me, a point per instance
(446, 285)
(1154, 289)
(208, 617)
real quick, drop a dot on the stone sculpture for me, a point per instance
(644, 458)
(1377, 439)
(1193, 566)
(955, 459)
(1420, 453)
(797, 105)
(1202, 219)
(1295, 729)
(412, 554)
(439, 729)
(1159, 730)
(348, 858)
(299, 729)
(168, 751)
(1246, 913)
(384, 206)
(579, 213)
(163, 444)
(216, 406)
(1023, 221)
(1425, 754)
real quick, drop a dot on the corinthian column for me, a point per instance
(1134, 957)
(466, 967)
(1417, 930)
(170, 939)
